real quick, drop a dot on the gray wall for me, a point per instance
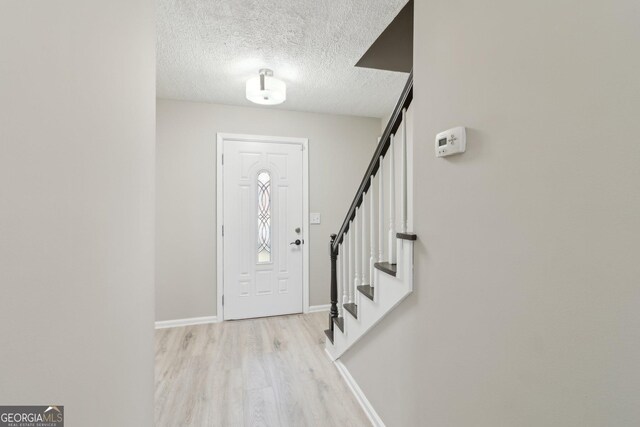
(77, 107)
(339, 152)
(527, 274)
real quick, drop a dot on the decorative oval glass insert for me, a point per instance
(264, 217)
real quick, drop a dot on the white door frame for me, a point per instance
(304, 142)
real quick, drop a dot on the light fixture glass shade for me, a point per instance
(265, 89)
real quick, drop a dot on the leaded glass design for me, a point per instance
(264, 217)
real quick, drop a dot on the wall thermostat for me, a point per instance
(451, 141)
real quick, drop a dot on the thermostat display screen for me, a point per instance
(442, 141)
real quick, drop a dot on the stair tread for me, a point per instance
(407, 236)
(387, 268)
(352, 308)
(329, 334)
(367, 291)
(339, 321)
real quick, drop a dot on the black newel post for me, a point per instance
(333, 312)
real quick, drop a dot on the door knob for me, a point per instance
(297, 242)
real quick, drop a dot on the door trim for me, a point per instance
(232, 137)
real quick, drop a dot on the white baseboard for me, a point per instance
(185, 322)
(316, 308)
(373, 416)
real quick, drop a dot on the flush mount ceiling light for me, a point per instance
(265, 89)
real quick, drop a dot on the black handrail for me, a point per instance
(381, 150)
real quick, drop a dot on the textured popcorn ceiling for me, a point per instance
(207, 49)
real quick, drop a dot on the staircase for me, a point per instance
(372, 254)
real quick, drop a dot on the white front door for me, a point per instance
(263, 238)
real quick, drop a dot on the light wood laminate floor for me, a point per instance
(258, 372)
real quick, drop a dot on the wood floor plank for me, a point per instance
(260, 408)
(258, 372)
(292, 407)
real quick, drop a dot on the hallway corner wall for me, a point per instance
(525, 309)
(77, 114)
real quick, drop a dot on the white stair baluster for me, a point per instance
(340, 266)
(364, 252)
(351, 270)
(392, 202)
(403, 162)
(381, 211)
(372, 231)
(345, 273)
(356, 258)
